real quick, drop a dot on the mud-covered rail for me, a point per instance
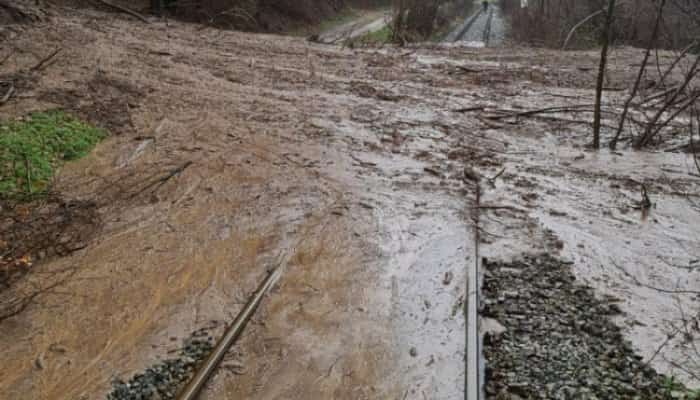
(487, 28)
(464, 29)
(484, 28)
(233, 332)
(473, 355)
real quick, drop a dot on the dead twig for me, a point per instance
(469, 109)
(678, 59)
(510, 208)
(6, 97)
(155, 185)
(659, 94)
(498, 175)
(669, 337)
(469, 70)
(640, 75)
(44, 61)
(548, 110)
(7, 57)
(123, 9)
(652, 128)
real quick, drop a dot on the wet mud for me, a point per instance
(246, 151)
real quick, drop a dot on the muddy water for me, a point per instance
(295, 160)
(345, 166)
(646, 259)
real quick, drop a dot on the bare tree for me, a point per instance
(640, 75)
(601, 73)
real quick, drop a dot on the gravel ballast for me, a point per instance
(162, 381)
(560, 341)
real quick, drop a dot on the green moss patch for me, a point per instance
(33, 148)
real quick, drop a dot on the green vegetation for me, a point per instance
(678, 390)
(379, 37)
(31, 149)
(346, 15)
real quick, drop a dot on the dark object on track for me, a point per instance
(485, 4)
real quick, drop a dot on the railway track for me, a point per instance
(487, 28)
(459, 34)
(477, 28)
(473, 377)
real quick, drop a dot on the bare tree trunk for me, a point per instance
(642, 69)
(398, 25)
(601, 73)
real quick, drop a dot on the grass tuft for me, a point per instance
(31, 149)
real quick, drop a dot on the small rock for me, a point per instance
(447, 279)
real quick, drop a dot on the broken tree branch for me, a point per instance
(7, 57)
(123, 9)
(640, 75)
(650, 131)
(155, 185)
(547, 110)
(44, 61)
(675, 62)
(6, 97)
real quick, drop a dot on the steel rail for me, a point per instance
(472, 390)
(196, 384)
(487, 29)
(468, 26)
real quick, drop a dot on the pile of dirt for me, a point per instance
(559, 340)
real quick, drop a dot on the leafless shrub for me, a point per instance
(548, 22)
(414, 20)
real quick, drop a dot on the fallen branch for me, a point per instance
(163, 180)
(548, 110)
(509, 208)
(650, 132)
(678, 59)
(469, 109)
(660, 94)
(498, 175)
(44, 61)
(8, 94)
(469, 70)
(640, 75)
(7, 58)
(125, 10)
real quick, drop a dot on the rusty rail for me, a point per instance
(473, 359)
(233, 332)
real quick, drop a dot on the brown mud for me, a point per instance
(233, 153)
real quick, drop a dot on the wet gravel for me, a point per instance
(162, 381)
(560, 341)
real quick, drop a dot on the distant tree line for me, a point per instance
(549, 22)
(260, 15)
(416, 20)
